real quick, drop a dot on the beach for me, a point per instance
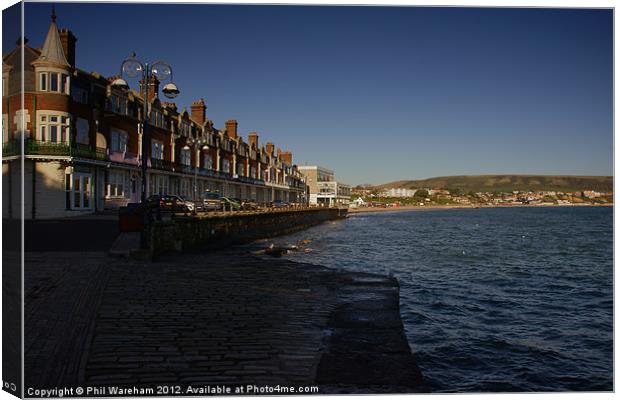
(361, 210)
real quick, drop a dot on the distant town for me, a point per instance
(398, 197)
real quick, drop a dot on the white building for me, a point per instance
(399, 192)
(323, 187)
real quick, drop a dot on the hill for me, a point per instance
(506, 183)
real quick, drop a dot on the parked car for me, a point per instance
(249, 205)
(188, 204)
(168, 203)
(212, 201)
(279, 204)
(230, 204)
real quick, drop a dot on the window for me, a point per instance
(5, 128)
(241, 169)
(78, 191)
(118, 104)
(118, 184)
(158, 184)
(186, 157)
(43, 81)
(54, 82)
(54, 128)
(185, 188)
(184, 129)
(118, 141)
(79, 94)
(225, 165)
(157, 150)
(157, 119)
(81, 126)
(207, 161)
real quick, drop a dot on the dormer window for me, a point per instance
(157, 118)
(56, 82)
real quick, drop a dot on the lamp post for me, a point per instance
(201, 144)
(132, 67)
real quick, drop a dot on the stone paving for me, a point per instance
(206, 319)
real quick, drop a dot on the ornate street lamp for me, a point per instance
(132, 68)
(201, 145)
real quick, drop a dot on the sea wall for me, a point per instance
(217, 231)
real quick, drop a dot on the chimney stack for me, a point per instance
(199, 112)
(153, 87)
(68, 39)
(231, 128)
(287, 157)
(269, 148)
(253, 139)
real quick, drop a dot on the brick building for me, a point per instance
(82, 142)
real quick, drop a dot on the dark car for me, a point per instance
(167, 202)
(279, 204)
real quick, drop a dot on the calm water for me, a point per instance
(517, 299)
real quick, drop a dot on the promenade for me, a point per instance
(205, 319)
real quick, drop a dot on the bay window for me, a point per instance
(118, 184)
(51, 81)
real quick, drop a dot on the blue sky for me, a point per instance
(378, 94)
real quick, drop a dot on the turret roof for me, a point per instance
(52, 51)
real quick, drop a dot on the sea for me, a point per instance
(492, 299)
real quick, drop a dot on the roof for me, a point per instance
(52, 51)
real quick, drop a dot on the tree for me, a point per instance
(421, 194)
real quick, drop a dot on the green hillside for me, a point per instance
(505, 183)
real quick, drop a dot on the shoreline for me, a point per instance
(369, 210)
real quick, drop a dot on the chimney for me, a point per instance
(199, 111)
(253, 139)
(269, 148)
(231, 128)
(278, 152)
(153, 88)
(68, 39)
(287, 157)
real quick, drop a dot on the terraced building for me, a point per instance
(81, 141)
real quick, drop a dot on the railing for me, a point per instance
(214, 174)
(38, 147)
(162, 164)
(10, 148)
(246, 179)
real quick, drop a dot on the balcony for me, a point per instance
(40, 148)
(214, 174)
(163, 165)
(124, 157)
(247, 179)
(10, 148)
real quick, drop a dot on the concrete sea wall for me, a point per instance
(217, 231)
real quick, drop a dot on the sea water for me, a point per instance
(492, 299)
